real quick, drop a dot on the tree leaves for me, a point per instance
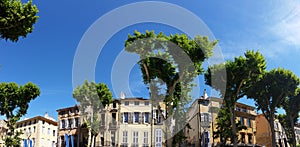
(14, 102)
(16, 19)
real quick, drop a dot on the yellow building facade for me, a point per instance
(40, 131)
(203, 125)
(69, 127)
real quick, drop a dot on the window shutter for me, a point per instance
(210, 118)
(122, 117)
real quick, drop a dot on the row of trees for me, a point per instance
(16, 20)
(247, 77)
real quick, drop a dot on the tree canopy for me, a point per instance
(240, 74)
(93, 98)
(173, 61)
(16, 19)
(271, 91)
(14, 102)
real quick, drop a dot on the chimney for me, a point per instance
(205, 96)
(122, 95)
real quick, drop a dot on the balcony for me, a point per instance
(113, 125)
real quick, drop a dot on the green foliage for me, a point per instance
(285, 122)
(271, 91)
(173, 61)
(16, 19)
(14, 102)
(292, 109)
(238, 76)
(224, 127)
(93, 98)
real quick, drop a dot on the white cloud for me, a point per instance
(287, 29)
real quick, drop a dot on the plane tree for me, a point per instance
(292, 109)
(14, 102)
(240, 74)
(172, 61)
(16, 19)
(271, 91)
(93, 98)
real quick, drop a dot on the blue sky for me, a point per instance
(45, 57)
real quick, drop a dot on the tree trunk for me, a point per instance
(93, 139)
(293, 131)
(90, 136)
(232, 119)
(271, 121)
(90, 131)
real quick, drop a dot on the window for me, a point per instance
(70, 124)
(146, 103)
(250, 139)
(276, 126)
(136, 103)
(114, 105)
(63, 124)
(42, 142)
(113, 138)
(146, 117)
(29, 131)
(136, 117)
(135, 138)
(54, 133)
(243, 137)
(48, 131)
(70, 112)
(242, 121)
(125, 135)
(48, 142)
(125, 119)
(34, 129)
(158, 138)
(43, 129)
(145, 138)
(77, 122)
(249, 122)
(33, 141)
(126, 103)
(76, 110)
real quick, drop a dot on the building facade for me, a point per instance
(109, 125)
(141, 123)
(264, 135)
(3, 131)
(246, 115)
(70, 130)
(39, 131)
(203, 125)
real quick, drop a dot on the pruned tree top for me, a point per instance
(16, 19)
